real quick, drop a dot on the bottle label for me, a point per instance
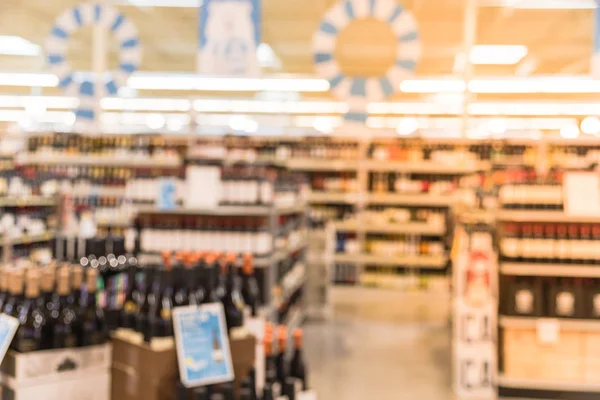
(524, 302)
(565, 304)
(130, 307)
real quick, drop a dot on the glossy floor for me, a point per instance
(381, 345)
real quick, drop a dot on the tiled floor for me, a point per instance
(381, 345)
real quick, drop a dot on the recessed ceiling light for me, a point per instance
(590, 125)
(484, 54)
(18, 46)
(407, 126)
(570, 131)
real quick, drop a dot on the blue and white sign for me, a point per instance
(202, 343)
(8, 328)
(229, 36)
(360, 91)
(167, 194)
(130, 54)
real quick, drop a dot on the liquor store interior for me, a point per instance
(299, 200)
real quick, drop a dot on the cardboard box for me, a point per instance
(143, 372)
(64, 374)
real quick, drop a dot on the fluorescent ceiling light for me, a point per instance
(543, 4)
(432, 86)
(18, 46)
(484, 54)
(214, 84)
(160, 3)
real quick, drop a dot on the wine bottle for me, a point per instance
(200, 393)
(297, 366)
(75, 301)
(63, 332)
(3, 287)
(16, 293)
(180, 392)
(160, 312)
(245, 394)
(130, 304)
(280, 358)
(267, 393)
(289, 388)
(181, 295)
(94, 328)
(146, 299)
(31, 318)
(212, 294)
(232, 301)
(199, 278)
(250, 291)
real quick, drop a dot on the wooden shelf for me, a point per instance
(425, 167)
(25, 239)
(535, 384)
(226, 210)
(547, 269)
(433, 262)
(565, 323)
(30, 201)
(97, 160)
(544, 216)
(417, 199)
(333, 197)
(415, 228)
(318, 164)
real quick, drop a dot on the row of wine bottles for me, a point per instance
(55, 307)
(187, 278)
(285, 377)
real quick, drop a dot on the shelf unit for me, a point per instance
(511, 385)
(266, 265)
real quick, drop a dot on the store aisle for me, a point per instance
(392, 352)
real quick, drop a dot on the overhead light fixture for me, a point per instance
(160, 3)
(18, 46)
(155, 121)
(590, 126)
(497, 126)
(570, 131)
(542, 4)
(407, 126)
(432, 86)
(492, 54)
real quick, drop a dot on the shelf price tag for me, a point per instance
(8, 328)
(202, 343)
(548, 331)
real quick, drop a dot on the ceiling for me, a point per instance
(559, 41)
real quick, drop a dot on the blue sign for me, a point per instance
(8, 328)
(202, 343)
(229, 36)
(167, 194)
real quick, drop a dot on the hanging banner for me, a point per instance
(229, 35)
(595, 70)
(356, 90)
(88, 91)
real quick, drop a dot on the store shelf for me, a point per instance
(226, 210)
(417, 199)
(433, 262)
(294, 320)
(26, 239)
(97, 160)
(544, 269)
(565, 324)
(282, 254)
(544, 216)
(425, 167)
(30, 201)
(415, 228)
(333, 197)
(318, 164)
(554, 385)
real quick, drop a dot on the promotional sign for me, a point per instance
(229, 36)
(88, 91)
(360, 91)
(8, 328)
(202, 343)
(166, 194)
